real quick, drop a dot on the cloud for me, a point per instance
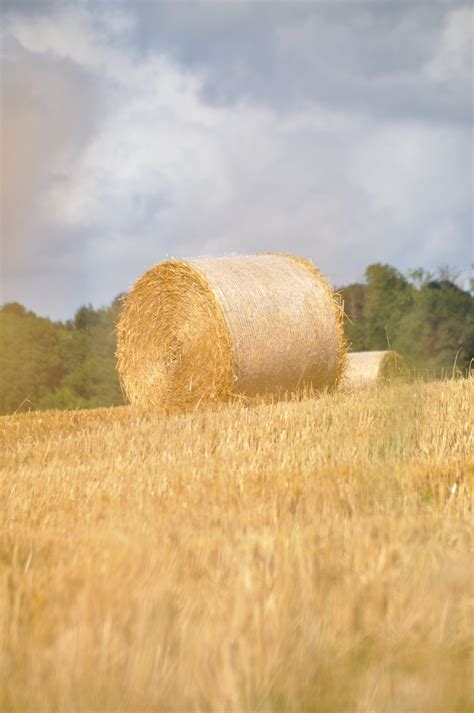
(371, 56)
(50, 109)
(134, 149)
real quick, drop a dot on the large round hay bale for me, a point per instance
(364, 368)
(194, 331)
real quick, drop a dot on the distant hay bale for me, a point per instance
(196, 331)
(364, 368)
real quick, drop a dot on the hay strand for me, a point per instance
(202, 330)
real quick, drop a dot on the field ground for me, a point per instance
(311, 556)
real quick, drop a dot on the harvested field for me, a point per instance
(306, 556)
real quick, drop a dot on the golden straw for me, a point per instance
(364, 368)
(197, 331)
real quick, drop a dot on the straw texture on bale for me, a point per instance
(202, 330)
(365, 368)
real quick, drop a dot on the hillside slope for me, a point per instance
(310, 556)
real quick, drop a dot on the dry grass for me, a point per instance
(310, 556)
(199, 331)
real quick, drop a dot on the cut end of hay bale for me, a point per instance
(365, 368)
(173, 345)
(202, 330)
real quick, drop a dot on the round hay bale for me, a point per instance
(195, 331)
(364, 368)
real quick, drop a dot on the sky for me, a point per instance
(132, 132)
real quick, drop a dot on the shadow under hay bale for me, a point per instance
(196, 331)
(365, 368)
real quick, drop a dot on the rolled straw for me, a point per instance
(364, 368)
(194, 331)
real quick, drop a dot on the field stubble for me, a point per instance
(306, 556)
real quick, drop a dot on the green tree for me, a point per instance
(389, 296)
(439, 329)
(32, 351)
(92, 374)
(46, 364)
(354, 297)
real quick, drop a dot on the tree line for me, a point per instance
(429, 319)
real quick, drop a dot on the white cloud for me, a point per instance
(453, 59)
(49, 111)
(166, 173)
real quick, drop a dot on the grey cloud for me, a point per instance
(28, 7)
(50, 108)
(360, 56)
(335, 130)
